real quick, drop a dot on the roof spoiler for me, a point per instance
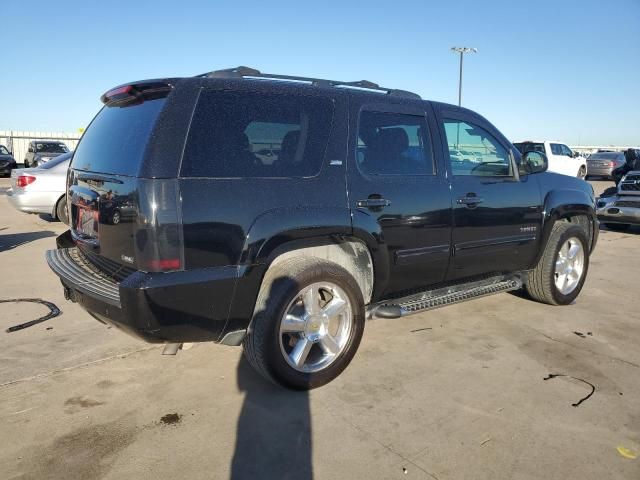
(136, 93)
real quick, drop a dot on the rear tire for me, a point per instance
(61, 210)
(271, 350)
(546, 283)
(618, 227)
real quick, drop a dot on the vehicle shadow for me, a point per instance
(12, 240)
(273, 438)
(48, 218)
(633, 229)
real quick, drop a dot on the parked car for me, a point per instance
(42, 189)
(7, 162)
(632, 162)
(40, 152)
(362, 213)
(561, 158)
(621, 209)
(602, 164)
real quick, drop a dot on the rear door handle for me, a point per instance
(470, 200)
(373, 203)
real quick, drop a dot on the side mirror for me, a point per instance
(575, 154)
(533, 162)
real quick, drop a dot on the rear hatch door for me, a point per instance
(102, 184)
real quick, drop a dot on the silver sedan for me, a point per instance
(42, 190)
(602, 164)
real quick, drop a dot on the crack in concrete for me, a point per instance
(610, 357)
(75, 367)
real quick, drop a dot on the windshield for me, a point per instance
(525, 147)
(3, 150)
(51, 147)
(116, 140)
(56, 161)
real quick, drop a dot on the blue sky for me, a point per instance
(563, 69)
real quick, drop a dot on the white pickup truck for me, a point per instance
(561, 158)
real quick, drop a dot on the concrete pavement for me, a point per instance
(454, 393)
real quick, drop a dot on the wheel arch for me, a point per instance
(54, 212)
(565, 205)
(324, 233)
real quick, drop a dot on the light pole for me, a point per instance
(462, 51)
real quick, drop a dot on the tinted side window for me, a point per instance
(474, 151)
(566, 151)
(250, 134)
(556, 149)
(393, 144)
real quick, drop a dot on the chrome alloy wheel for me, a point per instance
(316, 327)
(569, 266)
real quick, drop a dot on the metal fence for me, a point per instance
(18, 142)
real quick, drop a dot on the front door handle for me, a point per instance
(471, 199)
(373, 203)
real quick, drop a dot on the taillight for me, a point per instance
(164, 264)
(159, 243)
(24, 180)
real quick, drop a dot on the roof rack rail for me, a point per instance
(252, 73)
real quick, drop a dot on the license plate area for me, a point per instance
(87, 223)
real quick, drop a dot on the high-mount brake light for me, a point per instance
(136, 93)
(120, 95)
(118, 91)
(24, 180)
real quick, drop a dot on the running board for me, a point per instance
(441, 297)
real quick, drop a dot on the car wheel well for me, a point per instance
(55, 207)
(583, 221)
(352, 255)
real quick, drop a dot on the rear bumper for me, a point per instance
(33, 201)
(599, 171)
(189, 306)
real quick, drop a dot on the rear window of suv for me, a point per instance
(525, 147)
(116, 139)
(239, 134)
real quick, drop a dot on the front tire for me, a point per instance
(560, 273)
(307, 325)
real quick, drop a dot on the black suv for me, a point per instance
(279, 212)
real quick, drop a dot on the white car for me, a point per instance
(561, 158)
(42, 189)
(620, 210)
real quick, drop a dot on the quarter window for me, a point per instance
(393, 144)
(250, 134)
(474, 151)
